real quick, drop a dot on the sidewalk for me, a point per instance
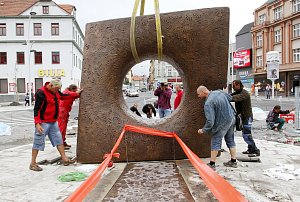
(18, 183)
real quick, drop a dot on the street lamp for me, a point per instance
(29, 50)
(233, 55)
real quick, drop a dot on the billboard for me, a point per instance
(242, 58)
(273, 65)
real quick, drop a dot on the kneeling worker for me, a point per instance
(273, 118)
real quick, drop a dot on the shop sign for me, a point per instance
(51, 72)
(244, 74)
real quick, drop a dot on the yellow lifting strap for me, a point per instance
(158, 29)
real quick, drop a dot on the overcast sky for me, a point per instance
(241, 11)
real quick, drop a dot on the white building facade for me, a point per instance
(39, 41)
(164, 72)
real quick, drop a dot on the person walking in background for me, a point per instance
(134, 109)
(149, 109)
(27, 99)
(65, 106)
(46, 111)
(273, 118)
(242, 100)
(220, 122)
(268, 91)
(164, 94)
(179, 94)
(32, 97)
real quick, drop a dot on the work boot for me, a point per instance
(249, 151)
(211, 166)
(255, 153)
(230, 164)
(246, 152)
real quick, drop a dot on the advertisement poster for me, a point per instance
(273, 70)
(12, 87)
(242, 59)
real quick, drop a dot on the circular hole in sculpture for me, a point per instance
(153, 89)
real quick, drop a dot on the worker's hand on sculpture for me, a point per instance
(79, 91)
(200, 131)
(39, 128)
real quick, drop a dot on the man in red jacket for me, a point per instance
(46, 111)
(179, 94)
(65, 107)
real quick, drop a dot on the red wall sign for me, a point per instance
(242, 59)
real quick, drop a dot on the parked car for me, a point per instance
(132, 93)
(143, 89)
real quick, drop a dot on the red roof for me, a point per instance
(67, 7)
(16, 7)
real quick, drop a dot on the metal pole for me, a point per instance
(16, 82)
(297, 104)
(233, 55)
(273, 83)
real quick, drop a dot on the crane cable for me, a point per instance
(158, 29)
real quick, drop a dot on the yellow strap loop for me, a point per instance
(158, 29)
(132, 32)
(142, 8)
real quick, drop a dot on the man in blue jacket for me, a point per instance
(220, 122)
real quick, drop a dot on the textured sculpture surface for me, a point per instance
(195, 42)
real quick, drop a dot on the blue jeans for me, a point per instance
(227, 133)
(53, 132)
(247, 125)
(163, 113)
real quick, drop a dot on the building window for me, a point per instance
(38, 57)
(259, 41)
(54, 29)
(2, 29)
(261, 19)
(20, 29)
(277, 36)
(296, 29)
(296, 54)
(45, 9)
(169, 72)
(21, 85)
(296, 5)
(55, 58)
(278, 13)
(3, 58)
(3, 86)
(259, 61)
(20, 58)
(37, 29)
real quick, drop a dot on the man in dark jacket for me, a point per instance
(149, 109)
(273, 118)
(242, 100)
(46, 111)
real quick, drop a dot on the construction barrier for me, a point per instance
(221, 189)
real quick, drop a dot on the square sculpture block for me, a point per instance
(195, 42)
